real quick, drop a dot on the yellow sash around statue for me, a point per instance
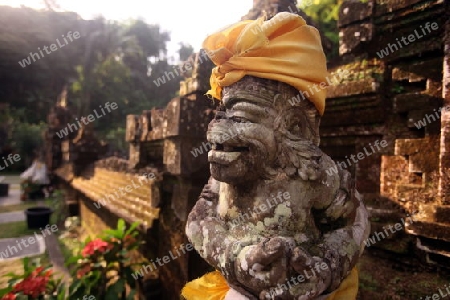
(213, 286)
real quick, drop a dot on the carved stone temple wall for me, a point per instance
(384, 97)
(380, 99)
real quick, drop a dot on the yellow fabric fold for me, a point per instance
(348, 288)
(213, 286)
(283, 49)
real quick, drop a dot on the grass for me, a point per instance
(15, 229)
(17, 207)
(11, 178)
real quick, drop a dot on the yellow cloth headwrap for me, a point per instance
(283, 49)
(213, 286)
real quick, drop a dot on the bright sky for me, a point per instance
(188, 21)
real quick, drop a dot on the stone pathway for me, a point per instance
(13, 248)
(13, 196)
(56, 257)
(49, 242)
(10, 217)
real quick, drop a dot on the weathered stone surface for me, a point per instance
(133, 129)
(416, 101)
(157, 121)
(187, 116)
(275, 157)
(354, 11)
(353, 37)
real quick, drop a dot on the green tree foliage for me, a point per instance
(325, 13)
(110, 62)
(185, 51)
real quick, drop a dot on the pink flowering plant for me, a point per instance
(104, 268)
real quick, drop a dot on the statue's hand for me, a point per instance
(314, 269)
(260, 266)
(310, 278)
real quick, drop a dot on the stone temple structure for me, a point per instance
(391, 95)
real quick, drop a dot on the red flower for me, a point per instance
(34, 285)
(85, 269)
(95, 245)
(9, 296)
(129, 240)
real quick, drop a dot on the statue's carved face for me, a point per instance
(243, 140)
(257, 134)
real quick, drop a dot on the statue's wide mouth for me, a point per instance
(225, 154)
(229, 148)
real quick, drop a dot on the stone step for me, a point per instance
(385, 215)
(434, 252)
(429, 229)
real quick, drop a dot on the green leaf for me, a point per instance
(72, 260)
(114, 233)
(131, 294)
(26, 266)
(132, 227)
(5, 291)
(115, 290)
(121, 226)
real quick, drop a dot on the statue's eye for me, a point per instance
(239, 119)
(295, 129)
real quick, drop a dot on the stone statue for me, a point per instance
(271, 219)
